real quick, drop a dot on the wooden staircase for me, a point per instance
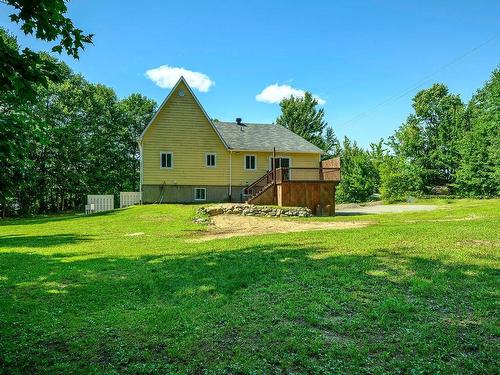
(261, 191)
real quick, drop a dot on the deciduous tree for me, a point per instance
(301, 116)
(479, 150)
(21, 71)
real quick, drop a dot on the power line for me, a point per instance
(419, 83)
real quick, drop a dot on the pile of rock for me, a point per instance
(252, 210)
(201, 220)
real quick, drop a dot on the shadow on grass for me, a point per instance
(43, 219)
(350, 213)
(266, 307)
(20, 240)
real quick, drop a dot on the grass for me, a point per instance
(411, 293)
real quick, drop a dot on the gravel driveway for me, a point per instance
(382, 208)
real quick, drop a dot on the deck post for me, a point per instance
(275, 188)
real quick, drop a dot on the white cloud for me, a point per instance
(275, 93)
(167, 76)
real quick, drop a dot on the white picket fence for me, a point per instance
(129, 198)
(99, 203)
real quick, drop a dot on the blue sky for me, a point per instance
(353, 55)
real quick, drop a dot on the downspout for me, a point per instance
(230, 175)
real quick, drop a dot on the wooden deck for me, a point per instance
(318, 196)
(304, 187)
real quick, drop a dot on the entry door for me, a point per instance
(282, 163)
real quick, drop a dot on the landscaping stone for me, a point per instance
(253, 210)
(201, 220)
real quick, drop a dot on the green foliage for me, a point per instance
(22, 71)
(479, 170)
(430, 136)
(24, 121)
(360, 178)
(399, 178)
(448, 144)
(409, 293)
(46, 19)
(74, 139)
(301, 116)
(137, 111)
(331, 144)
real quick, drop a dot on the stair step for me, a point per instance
(260, 192)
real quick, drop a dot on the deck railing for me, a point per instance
(298, 174)
(258, 185)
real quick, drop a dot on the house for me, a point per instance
(188, 157)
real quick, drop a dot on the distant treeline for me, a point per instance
(71, 139)
(444, 147)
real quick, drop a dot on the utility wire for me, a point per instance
(419, 83)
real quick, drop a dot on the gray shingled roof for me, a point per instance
(262, 137)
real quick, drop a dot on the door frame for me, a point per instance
(282, 157)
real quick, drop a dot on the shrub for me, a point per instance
(399, 179)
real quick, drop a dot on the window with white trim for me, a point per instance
(200, 194)
(210, 160)
(166, 160)
(250, 162)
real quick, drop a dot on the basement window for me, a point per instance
(211, 160)
(166, 160)
(250, 162)
(200, 194)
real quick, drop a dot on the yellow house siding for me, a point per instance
(182, 128)
(242, 177)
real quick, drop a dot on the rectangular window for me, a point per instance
(250, 162)
(210, 160)
(166, 160)
(200, 194)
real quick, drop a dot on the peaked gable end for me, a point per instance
(181, 95)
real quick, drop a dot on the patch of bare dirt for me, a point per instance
(156, 218)
(226, 226)
(467, 218)
(475, 243)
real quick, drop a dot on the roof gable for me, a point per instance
(249, 137)
(163, 104)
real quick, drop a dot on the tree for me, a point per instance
(399, 178)
(332, 144)
(72, 139)
(479, 168)
(359, 175)
(22, 74)
(22, 71)
(377, 154)
(19, 131)
(137, 112)
(301, 116)
(440, 115)
(430, 136)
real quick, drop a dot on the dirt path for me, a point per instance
(226, 226)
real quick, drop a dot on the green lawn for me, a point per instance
(411, 293)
